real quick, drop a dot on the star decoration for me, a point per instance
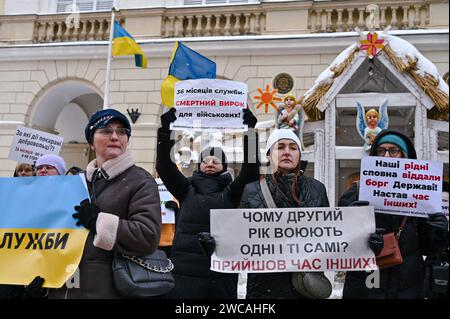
(372, 44)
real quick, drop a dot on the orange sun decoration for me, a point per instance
(267, 97)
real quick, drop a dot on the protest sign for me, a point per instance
(167, 214)
(292, 239)
(38, 235)
(209, 104)
(401, 186)
(29, 144)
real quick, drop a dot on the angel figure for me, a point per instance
(290, 116)
(371, 123)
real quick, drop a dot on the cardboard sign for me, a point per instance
(401, 186)
(29, 144)
(292, 239)
(209, 104)
(38, 235)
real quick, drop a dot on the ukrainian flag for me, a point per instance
(124, 44)
(185, 64)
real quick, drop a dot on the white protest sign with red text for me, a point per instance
(209, 104)
(401, 186)
(292, 239)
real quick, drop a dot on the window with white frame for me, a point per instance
(83, 5)
(204, 2)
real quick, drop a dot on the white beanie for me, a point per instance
(279, 134)
(52, 160)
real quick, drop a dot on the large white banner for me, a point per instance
(29, 144)
(401, 186)
(292, 239)
(209, 104)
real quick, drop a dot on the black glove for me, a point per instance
(439, 224)
(249, 118)
(87, 214)
(172, 205)
(167, 118)
(34, 289)
(360, 203)
(376, 241)
(207, 243)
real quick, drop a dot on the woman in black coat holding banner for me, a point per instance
(289, 188)
(420, 236)
(210, 187)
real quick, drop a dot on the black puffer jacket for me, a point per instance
(312, 193)
(404, 281)
(197, 195)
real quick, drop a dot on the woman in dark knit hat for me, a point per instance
(210, 187)
(420, 236)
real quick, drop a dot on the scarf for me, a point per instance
(282, 194)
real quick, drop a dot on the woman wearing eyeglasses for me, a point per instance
(420, 236)
(210, 187)
(124, 214)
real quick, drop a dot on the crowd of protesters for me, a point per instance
(123, 214)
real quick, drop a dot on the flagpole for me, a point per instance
(108, 63)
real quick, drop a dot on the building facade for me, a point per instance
(53, 64)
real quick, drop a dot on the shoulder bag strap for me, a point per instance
(402, 225)
(266, 193)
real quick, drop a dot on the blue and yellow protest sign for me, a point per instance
(38, 235)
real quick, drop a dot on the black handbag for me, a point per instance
(145, 276)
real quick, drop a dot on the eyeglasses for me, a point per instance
(381, 151)
(108, 131)
(211, 160)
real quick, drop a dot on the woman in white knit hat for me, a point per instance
(288, 188)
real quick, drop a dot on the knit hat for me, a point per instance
(279, 134)
(101, 119)
(52, 160)
(213, 151)
(394, 139)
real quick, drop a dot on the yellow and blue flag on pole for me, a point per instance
(124, 44)
(38, 235)
(185, 64)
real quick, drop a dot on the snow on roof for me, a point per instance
(404, 49)
(327, 75)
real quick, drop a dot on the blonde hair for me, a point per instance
(373, 112)
(290, 96)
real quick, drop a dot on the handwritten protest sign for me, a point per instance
(401, 186)
(38, 235)
(167, 214)
(209, 104)
(292, 239)
(29, 144)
